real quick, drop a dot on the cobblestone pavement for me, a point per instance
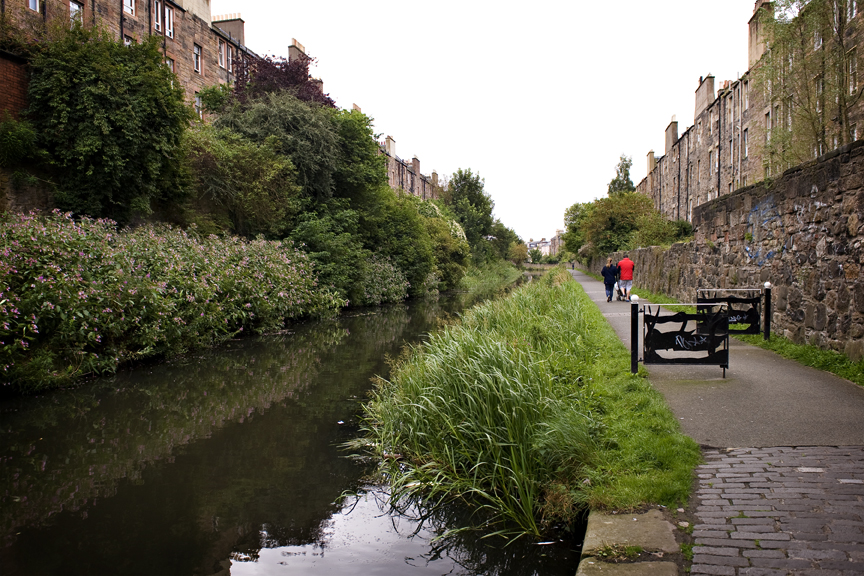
(776, 511)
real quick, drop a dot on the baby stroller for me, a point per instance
(619, 294)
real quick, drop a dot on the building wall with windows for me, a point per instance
(725, 148)
(195, 47)
(406, 176)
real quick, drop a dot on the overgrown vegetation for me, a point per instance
(527, 410)
(111, 120)
(110, 136)
(80, 298)
(808, 79)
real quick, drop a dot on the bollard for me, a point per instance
(634, 334)
(767, 329)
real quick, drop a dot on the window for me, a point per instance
(199, 111)
(744, 181)
(157, 15)
(852, 70)
(853, 132)
(817, 40)
(746, 95)
(34, 5)
(820, 88)
(196, 57)
(222, 53)
(746, 144)
(731, 153)
(851, 9)
(169, 21)
(768, 127)
(710, 162)
(170, 63)
(699, 132)
(698, 171)
(730, 187)
(127, 40)
(76, 11)
(230, 59)
(129, 6)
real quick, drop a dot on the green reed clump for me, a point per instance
(489, 280)
(80, 297)
(527, 410)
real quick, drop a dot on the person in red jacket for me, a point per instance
(626, 279)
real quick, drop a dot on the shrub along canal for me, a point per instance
(229, 462)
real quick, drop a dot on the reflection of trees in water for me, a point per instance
(270, 482)
(476, 551)
(68, 448)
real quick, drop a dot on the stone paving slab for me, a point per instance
(804, 511)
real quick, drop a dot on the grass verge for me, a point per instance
(489, 280)
(527, 410)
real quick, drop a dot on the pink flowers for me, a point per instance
(151, 291)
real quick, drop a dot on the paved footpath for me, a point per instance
(782, 487)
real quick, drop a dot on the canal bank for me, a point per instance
(783, 474)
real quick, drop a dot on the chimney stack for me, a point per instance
(295, 50)
(390, 146)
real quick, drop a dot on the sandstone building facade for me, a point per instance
(726, 147)
(198, 48)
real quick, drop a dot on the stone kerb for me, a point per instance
(802, 232)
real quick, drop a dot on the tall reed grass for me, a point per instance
(527, 410)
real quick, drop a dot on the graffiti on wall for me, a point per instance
(764, 222)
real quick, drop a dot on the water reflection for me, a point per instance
(218, 463)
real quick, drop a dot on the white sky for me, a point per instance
(540, 98)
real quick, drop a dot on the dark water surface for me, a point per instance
(228, 462)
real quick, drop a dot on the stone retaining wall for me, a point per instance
(802, 232)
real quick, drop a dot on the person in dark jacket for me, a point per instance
(610, 276)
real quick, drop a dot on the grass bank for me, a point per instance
(80, 298)
(527, 410)
(489, 280)
(825, 360)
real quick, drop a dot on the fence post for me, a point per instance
(634, 334)
(767, 330)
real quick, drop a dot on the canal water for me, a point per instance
(229, 462)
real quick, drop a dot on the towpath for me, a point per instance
(782, 487)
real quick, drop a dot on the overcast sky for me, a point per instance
(540, 98)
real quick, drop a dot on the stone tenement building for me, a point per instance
(198, 48)
(405, 176)
(723, 150)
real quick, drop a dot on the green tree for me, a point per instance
(112, 118)
(518, 253)
(535, 255)
(808, 79)
(306, 134)
(622, 183)
(502, 238)
(473, 208)
(249, 184)
(575, 218)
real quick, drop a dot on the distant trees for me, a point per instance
(621, 221)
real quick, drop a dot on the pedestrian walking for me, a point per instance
(610, 276)
(625, 272)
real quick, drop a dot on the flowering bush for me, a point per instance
(383, 281)
(80, 298)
